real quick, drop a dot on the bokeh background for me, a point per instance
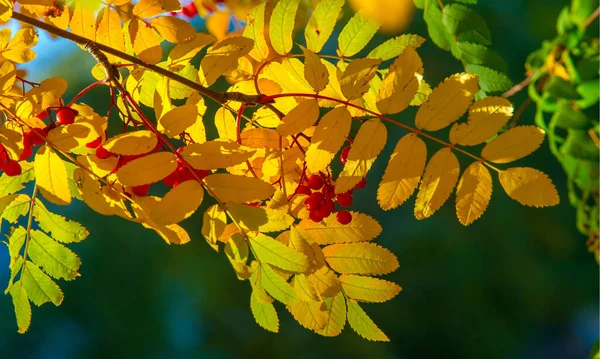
(518, 283)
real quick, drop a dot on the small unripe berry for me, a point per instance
(65, 115)
(316, 181)
(12, 168)
(361, 184)
(344, 217)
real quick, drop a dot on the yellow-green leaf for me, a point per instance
(259, 219)
(56, 260)
(362, 324)
(394, 47)
(148, 169)
(61, 229)
(213, 224)
(325, 281)
(403, 172)
(22, 306)
(513, 144)
(486, 118)
(215, 154)
(321, 23)
(368, 289)
(51, 176)
(360, 258)
(178, 204)
(240, 189)
(40, 288)
(299, 118)
(437, 184)
(14, 206)
(447, 102)
(357, 76)
(473, 193)
(311, 315)
(132, 143)
(328, 138)
(275, 285)
(529, 187)
(362, 228)
(400, 85)
(336, 315)
(264, 313)
(282, 24)
(356, 34)
(268, 250)
(255, 30)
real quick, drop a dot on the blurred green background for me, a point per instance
(518, 283)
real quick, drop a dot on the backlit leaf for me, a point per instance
(299, 118)
(275, 285)
(355, 79)
(56, 260)
(394, 47)
(447, 102)
(311, 315)
(259, 219)
(268, 250)
(178, 119)
(486, 118)
(367, 145)
(262, 138)
(22, 306)
(148, 169)
(14, 206)
(356, 35)
(362, 324)
(513, 144)
(264, 313)
(173, 29)
(368, 289)
(437, 184)
(109, 32)
(224, 56)
(51, 176)
(68, 137)
(213, 224)
(360, 258)
(315, 72)
(215, 154)
(529, 187)
(40, 288)
(401, 84)
(132, 143)
(321, 23)
(178, 204)
(239, 189)
(255, 30)
(281, 25)
(473, 193)
(61, 229)
(336, 315)
(13, 184)
(362, 228)
(403, 172)
(328, 138)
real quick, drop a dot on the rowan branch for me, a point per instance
(219, 97)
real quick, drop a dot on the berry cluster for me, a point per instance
(35, 137)
(321, 195)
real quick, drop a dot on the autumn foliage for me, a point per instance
(283, 210)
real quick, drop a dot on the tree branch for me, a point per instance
(220, 97)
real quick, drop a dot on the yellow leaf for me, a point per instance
(51, 176)
(173, 29)
(224, 56)
(368, 289)
(17, 292)
(367, 145)
(215, 154)
(12, 139)
(529, 187)
(183, 53)
(447, 102)
(150, 8)
(325, 281)
(362, 228)
(173, 234)
(329, 136)
(311, 315)
(336, 315)
(299, 118)
(218, 24)
(83, 22)
(255, 30)
(275, 285)
(109, 32)
(146, 43)
(305, 290)
(513, 144)
(237, 251)
(132, 143)
(239, 189)
(178, 204)
(213, 224)
(486, 118)
(92, 194)
(18, 49)
(259, 219)
(473, 193)
(355, 79)
(70, 136)
(268, 250)
(360, 258)
(8, 76)
(178, 119)
(289, 75)
(226, 124)
(400, 85)
(148, 169)
(282, 24)
(362, 324)
(6, 9)
(100, 167)
(263, 138)
(321, 23)
(315, 72)
(264, 313)
(403, 172)
(439, 180)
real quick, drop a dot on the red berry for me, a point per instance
(42, 115)
(361, 184)
(142, 190)
(65, 115)
(34, 137)
(344, 199)
(344, 217)
(95, 143)
(326, 209)
(27, 152)
(314, 201)
(189, 10)
(185, 174)
(102, 153)
(12, 168)
(328, 191)
(304, 190)
(315, 216)
(316, 181)
(171, 179)
(344, 154)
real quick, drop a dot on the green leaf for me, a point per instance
(268, 250)
(567, 117)
(282, 24)
(22, 306)
(466, 24)
(263, 311)
(579, 145)
(57, 260)
(420, 4)
(490, 80)
(275, 285)
(14, 206)
(15, 268)
(179, 91)
(72, 183)
(480, 55)
(16, 240)
(363, 325)
(472, 2)
(40, 288)
(10, 185)
(595, 352)
(321, 23)
(356, 34)
(436, 29)
(560, 88)
(582, 9)
(394, 47)
(62, 229)
(589, 93)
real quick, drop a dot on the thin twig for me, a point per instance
(518, 87)
(591, 18)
